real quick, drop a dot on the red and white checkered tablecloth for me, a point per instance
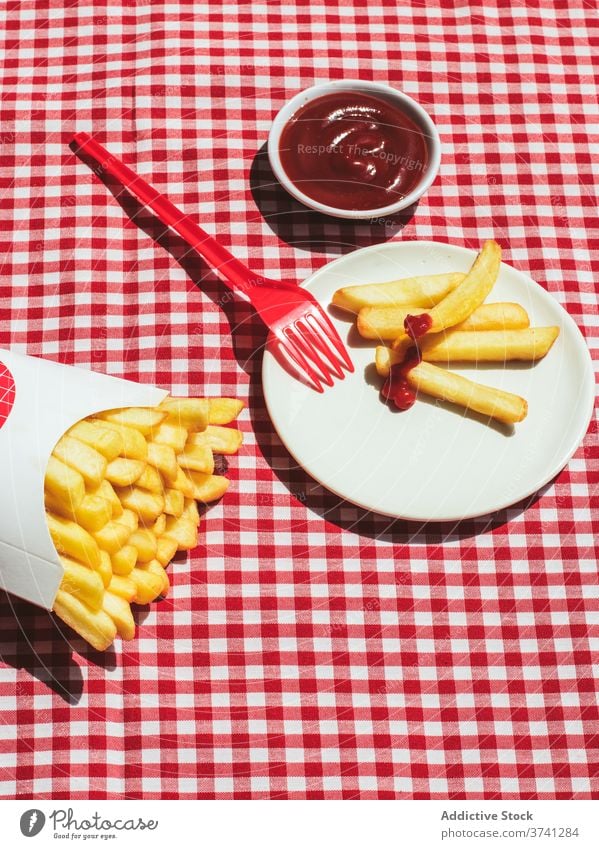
(306, 650)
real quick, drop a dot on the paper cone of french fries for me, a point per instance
(48, 399)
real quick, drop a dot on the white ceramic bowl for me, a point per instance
(410, 107)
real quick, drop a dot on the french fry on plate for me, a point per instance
(485, 346)
(461, 301)
(447, 386)
(387, 323)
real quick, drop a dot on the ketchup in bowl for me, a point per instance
(352, 150)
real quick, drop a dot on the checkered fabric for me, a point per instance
(307, 649)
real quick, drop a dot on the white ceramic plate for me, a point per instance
(434, 462)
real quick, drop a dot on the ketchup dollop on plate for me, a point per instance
(351, 150)
(396, 388)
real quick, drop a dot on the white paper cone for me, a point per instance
(49, 399)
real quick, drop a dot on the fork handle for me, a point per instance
(233, 272)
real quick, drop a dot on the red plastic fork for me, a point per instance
(301, 326)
